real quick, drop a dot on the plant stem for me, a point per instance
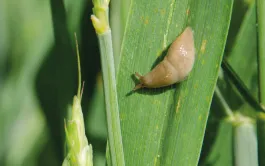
(241, 87)
(261, 44)
(261, 64)
(227, 109)
(261, 137)
(111, 100)
(245, 142)
(100, 22)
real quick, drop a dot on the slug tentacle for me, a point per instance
(176, 65)
(140, 85)
(138, 75)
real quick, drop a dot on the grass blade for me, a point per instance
(261, 36)
(241, 86)
(161, 126)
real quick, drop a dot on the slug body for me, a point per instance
(176, 65)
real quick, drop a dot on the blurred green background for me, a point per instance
(38, 79)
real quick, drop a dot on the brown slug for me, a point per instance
(176, 65)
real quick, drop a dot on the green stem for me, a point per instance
(261, 137)
(241, 87)
(227, 109)
(261, 44)
(100, 21)
(111, 100)
(245, 142)
(261, 64)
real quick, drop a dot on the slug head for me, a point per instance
(143, 82)
(140, 85)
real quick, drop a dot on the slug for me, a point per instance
(176, 65)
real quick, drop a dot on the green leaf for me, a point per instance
(166, 125)
(261, 43)
(222, 150)
(243, 60)
(118, 17)
(243, 57)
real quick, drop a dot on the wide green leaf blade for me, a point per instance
(166, 126)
